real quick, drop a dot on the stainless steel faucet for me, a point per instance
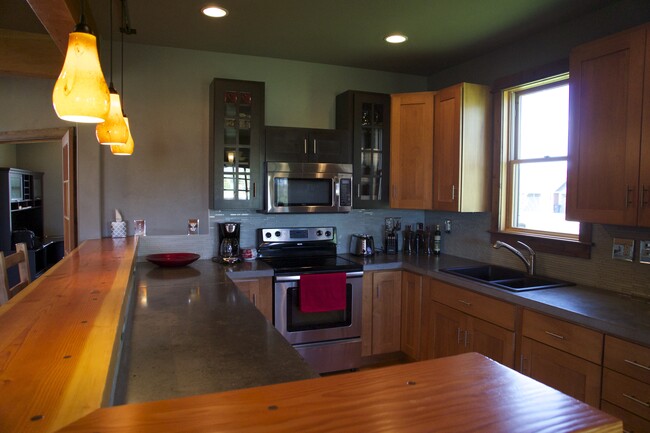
(530, 262)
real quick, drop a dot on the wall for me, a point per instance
(167, 97)
(7, 155)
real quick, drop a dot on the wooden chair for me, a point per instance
(21, 259)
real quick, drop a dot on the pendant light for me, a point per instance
(114, 130)
(125, 149)
(80, 93)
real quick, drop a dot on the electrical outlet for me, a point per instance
(644, 252)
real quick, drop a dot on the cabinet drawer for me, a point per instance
(477, 305)
(627, 358)
(632, 395)
(571, 338)
(631, 423)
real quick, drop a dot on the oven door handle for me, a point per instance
(281, 279)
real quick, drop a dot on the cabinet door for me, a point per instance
(448, 331)
(460, 148)
(286, 144)
(644, 171)
(366, 116)
(565, 372)
(411, 159)
(237, 120)
(260, 292)
(492, 341)
(606, 91)
(329, 146)
(386, 311)
(411, 314)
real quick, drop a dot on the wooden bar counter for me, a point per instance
(59, 338)
(464, 393)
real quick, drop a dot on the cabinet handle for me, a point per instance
(644, 196)
(628, 190)
(254, 300)
(636, 364)
(467, 335)
(469, 304)
(453, 192)
(358, 190)
(377, 291)
(305, 141)
(458, 336)
(254, 189)
(636, 400)
(315, 146)
(552, 334)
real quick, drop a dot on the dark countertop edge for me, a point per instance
(540, 300)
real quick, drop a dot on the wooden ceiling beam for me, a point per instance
(33, 54)
(59, 18)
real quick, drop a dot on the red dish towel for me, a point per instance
(323, 292)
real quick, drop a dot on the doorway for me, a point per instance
(67, 139)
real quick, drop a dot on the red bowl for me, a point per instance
(172, 260)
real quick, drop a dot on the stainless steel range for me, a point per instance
(317, 295)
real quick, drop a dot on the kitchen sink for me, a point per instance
(506, 278)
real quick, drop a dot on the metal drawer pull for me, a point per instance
(469, 304)
(558, 336)
(636, 364)
(636, 400)
(458, 336)
(305, 141)
(254, 300)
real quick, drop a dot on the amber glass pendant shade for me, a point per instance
(114, 129)
(80, 93)
(126, 148)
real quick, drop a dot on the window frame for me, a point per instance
(579, 246)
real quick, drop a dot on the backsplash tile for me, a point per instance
(469, 238)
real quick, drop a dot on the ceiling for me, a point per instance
(441, 33)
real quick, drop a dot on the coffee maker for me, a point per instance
(229, 242)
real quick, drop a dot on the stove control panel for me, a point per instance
(299, 234)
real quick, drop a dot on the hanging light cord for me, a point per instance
(110, 35)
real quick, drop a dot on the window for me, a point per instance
(533, 167)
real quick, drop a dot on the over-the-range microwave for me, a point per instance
(294, 187)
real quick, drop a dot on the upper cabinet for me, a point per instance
(609, 144)
(366, 117)
(236, 127)
(411, 158)
(440, 149)
(461, 157)
(284, 144)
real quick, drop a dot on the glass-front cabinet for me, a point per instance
(367, 118)
(236, 127)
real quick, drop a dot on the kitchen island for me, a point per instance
(60, 341)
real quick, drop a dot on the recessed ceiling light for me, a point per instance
(395, 38)
(214, 11)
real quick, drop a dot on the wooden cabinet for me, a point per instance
(366, 117)
(260, 292)
(562, 355)
(440, 149)
(285, 144)
(464, 321)
(461, 148)
(236, 128)
(626, 383)
(381, 316)
(411, 320)
(609, 144)
(411, 157)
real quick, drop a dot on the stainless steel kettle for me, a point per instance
(362, 245)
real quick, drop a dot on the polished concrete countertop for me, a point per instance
(610, 312)
(193, 332)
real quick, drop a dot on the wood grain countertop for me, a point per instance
(464, 393)
(59, 338)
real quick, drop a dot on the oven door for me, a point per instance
(299, 327)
